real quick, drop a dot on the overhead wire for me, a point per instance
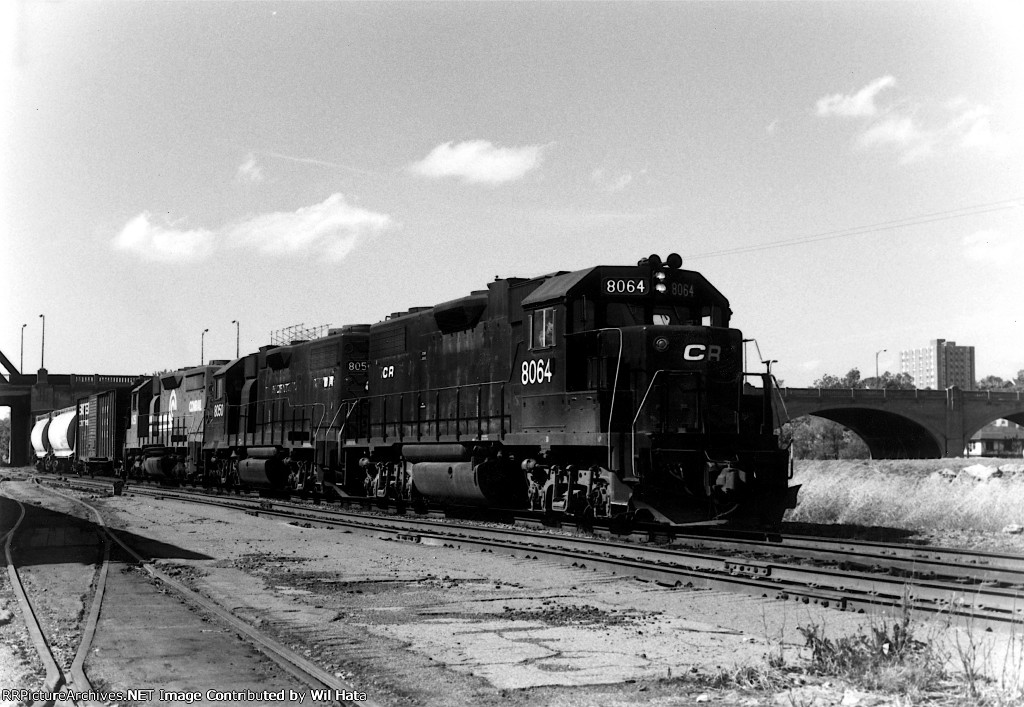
(972, 210)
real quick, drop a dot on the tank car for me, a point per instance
(610, 391)
(62, 435)
(54, 439)
(40, 440)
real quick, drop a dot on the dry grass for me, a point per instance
(906, 494)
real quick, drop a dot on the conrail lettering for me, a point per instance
(700, 352)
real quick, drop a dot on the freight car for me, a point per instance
(40, 439)
(53, 438)
(609, 391)
(101, 421)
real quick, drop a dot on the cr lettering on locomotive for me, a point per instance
(700, 352)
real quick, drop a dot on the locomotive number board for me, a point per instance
(640, 286)
(625, 286)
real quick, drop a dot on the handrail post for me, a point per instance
(458, 411)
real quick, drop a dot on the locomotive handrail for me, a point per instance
(639, 409)
(615, 382)
(615, 388)
(442, 425)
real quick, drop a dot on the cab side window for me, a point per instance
(542, 328)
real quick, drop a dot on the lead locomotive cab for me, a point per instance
(654, 402)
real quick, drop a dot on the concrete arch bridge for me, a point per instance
(909, 424)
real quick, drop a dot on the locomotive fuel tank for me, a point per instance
(158, 466)
(451, 473)
(263, 468)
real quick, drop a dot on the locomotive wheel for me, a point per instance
(549, 512)
(419, 503)
(621, 524)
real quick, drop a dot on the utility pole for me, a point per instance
(42, 350)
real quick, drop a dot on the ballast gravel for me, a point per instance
(416, 624)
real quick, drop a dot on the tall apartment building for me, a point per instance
(941, 365)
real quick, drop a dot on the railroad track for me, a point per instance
(985, 589)
(68, 684)
(60, 676)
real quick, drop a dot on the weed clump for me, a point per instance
(887, 658)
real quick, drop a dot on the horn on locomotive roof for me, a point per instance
(674, 261)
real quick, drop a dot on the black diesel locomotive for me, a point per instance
(611, 390)
(614, 391)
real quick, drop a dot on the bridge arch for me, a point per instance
(887, 435)
(905, 423)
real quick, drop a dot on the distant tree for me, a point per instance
(850, 380)
(993, 383)
(812, 437)
(1018, 382)
(891, 381)
(5, 440)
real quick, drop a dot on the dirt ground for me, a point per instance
(416, 624)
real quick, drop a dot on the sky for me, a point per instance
(849, 175)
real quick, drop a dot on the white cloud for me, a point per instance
(479, 162)
(898, 130)
(163, 243)
(901, 131)
(968, 128)
(611, 181)
(332, 228)
(249, 172)
(860, 104)
(918, 130)
(992, 247)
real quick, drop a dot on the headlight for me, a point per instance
(661, 344)
(661, 287)
(660, 275)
